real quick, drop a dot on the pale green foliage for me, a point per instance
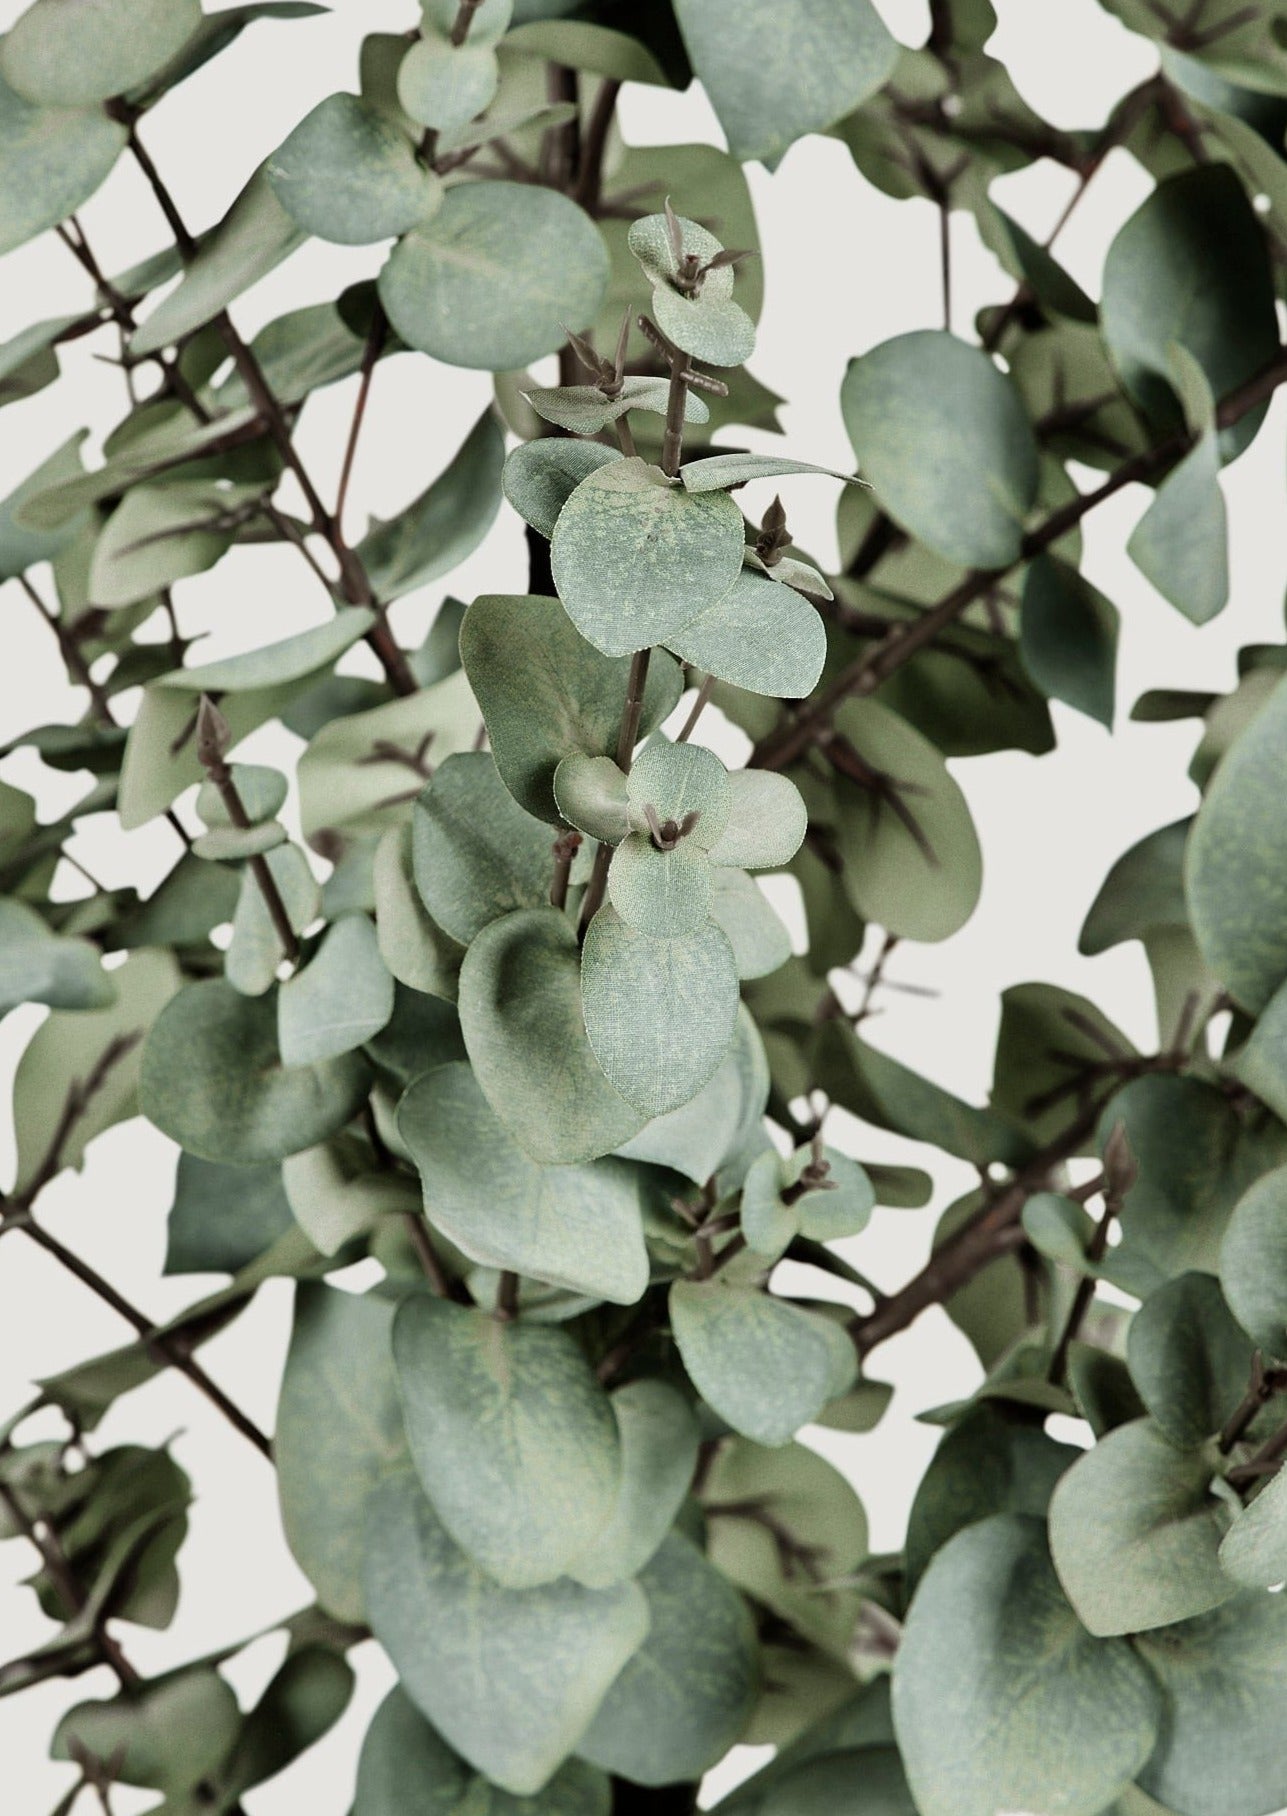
(527, 1011)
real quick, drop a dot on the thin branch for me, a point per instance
(864, 676)
(700, 704)
(376, 336)
(212, 742)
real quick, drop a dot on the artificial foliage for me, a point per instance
(487, 993)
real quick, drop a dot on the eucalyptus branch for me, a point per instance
(862, 677)
(213, 739)
(354, 581)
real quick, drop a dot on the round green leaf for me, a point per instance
(1068, 638)
(540, 476)
(676, 780)
(686, 1695)
(636, 557)
(750, 924)
(1236, 868)
(213, 1080)
(347, 174)
(510, 1677)
(591, 794)
(520, 1009)
(546, 693)
(761, 636)
(766, 825)
(1191, 268)
(946, 441)
(403, 1760)
(477, 855)
(497, 277)
(724, 1118)
(664, 893)
(837, 53)
(660, 1013)
(1223, 1677)
(764, 1366)
(1135, 1531)
(71, 56)
(912, 864)
(444, 85)
(1253, 1262)
(36, 966)
(168, 1733)
(1254, 1551)
(659, 1444)
(342, 997)
(52, 159)
(512, 1437)
(990, 1616)
(577, 1227)
(339, 1432)
(1189, 1358)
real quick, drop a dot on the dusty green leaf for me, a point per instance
(37, 966)
(497, 277)
(1068, 638)
(510, 1677)
(636, 558)
(520, 1009)
(1135, 1532)
(512, 1437)
(445, 523)
(577, 1227)
(546, 693)
(341, 998)
(1189, 1358)
(540, 476)
(347, 174)
(946, 442)
(60, 56)
(765, 1366)
(761, 636)
(685, 1696)
(659, 1443)
(660, 1013)
(990, 1612)
(838, 54)
(339, 1433)
(213, 1080)
(477, 854)
(53, 159)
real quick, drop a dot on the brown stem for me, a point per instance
(221, 775)
(672, 446)
(1084, 1294)
(427, 1255)
(566, 847)
(626, 739)
(700, 704)
(1264, 1462)
(464, 19)
(154, 1339)
(66, 1586)
(354, 581)
(904, 641)
(375, 340)
(1265, 1383)
(995, 1231)
(589, 188)
(506, 1309)
(72, 654)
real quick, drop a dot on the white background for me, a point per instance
(846, 268)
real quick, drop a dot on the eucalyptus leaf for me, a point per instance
(497, 276)
(764, 1366)
(520, 1009)
(660, 1013)
(840, 55)
(1135, 1532)
(1090, 1713)
(512, 1437)
(477, 855)
(761, 636)
(510, 1677)
(213, 1080)
(445, 524)
(685, 1696)
(54, 158)
(347, 174)
(574, 1226)
(340, 999)
(945, 441)
(545, 693)
(339, 1433)
(659, 1446)
(402, 1756)
(72, 57)
(636, 558)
